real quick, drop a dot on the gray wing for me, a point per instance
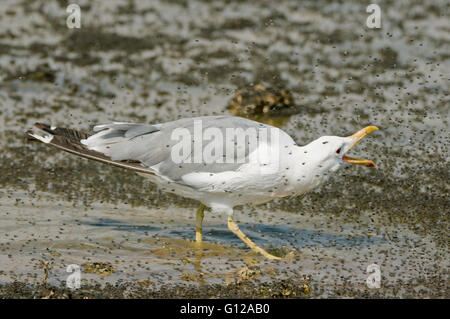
(152, 145)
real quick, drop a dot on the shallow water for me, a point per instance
(161, 60)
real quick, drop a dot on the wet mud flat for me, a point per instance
(158, 61)
(144, 251)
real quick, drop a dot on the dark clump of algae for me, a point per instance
(135, 241)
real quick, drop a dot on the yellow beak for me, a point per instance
(358, 136)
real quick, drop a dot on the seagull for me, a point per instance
(220, 161)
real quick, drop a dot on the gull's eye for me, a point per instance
(338, 151)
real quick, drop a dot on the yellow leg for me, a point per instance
(235, 229)
(198, 224)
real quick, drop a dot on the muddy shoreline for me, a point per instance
(434, 287)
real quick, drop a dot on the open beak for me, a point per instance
(357, 137)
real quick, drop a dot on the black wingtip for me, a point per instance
(44, 127)
(40, 126)
(30, 136)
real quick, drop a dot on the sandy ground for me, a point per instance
(161, 60)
